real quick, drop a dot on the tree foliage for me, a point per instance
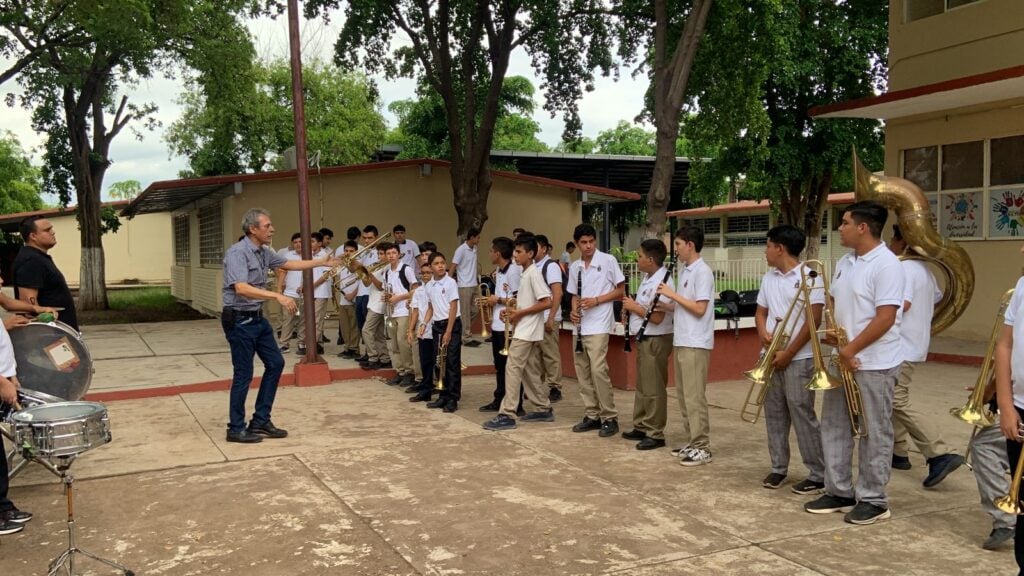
(460, 49)
(248, 129)
(125, 189)
(77, 60)
(20, 181)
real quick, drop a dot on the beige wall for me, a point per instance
(973, 39)
(141, 249)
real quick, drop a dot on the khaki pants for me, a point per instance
(691, 366)
(523, 370)
(319, 314)
(592, 374)
(551, 359)
(468, 311)
(349, 327)
(374, 337)
(908, 421)
(290, 323)
(650, 407)
(398, 346)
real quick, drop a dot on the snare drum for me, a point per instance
(53, 359)
(28, 399)
(61, 429)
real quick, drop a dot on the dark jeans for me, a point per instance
(1013, 454)
(5, 504)
(497, 343)
(428, 359)
(361, 304)
(453, 365)
(248, 335)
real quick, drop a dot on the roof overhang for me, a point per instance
(995, 86)
(6, 220)
(746, 206)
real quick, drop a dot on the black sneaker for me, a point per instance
(407, 380)
(471, 343)
(634, 434)
(901, 462)
(300, 351)
(491, 407)
(362, 359)
(808, 487)
(374, 365)
(773, 481)
(520, 412)
(244, 437)
(609, 427)
(554, 394)
(319, 348)
(8, 527)
(500, 422)
(324, 339)
(826, 504)
(650, 443)
(864, 514)
(941, 466)
(997, 538)
(396, 380)
(586, 425)
(340, 340)
(16, 516)
(267, 429)
(539, 416)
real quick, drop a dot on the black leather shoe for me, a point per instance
(319, 348)
(439, 403)
(450, 406)
(492, 407)
(586, 425)
(244, 437)
(634, 434)
(609, 428)
(421, 397)
(554, 394)
(370, 365)
(395, 381)
(267, 429)
(650, 443)
(363, 358)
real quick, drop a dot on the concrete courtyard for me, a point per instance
(370, 484)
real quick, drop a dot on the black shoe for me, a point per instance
(586, 425)
(997, 538)
(417, 388)
(340, 340)
(267, 429)
(520, 412)
(773, 481)
(8, 527)
(539, 416)
(808, 487)
(16, 516)
(396, 380)
(319, 348)
(439, 403)
(407, 380)
(941, 466)
(650, 443)
(300, 351)
(826, 504)
(386, 364)
(362, 359)
(500, 422)
(864, 514)
(634, 434)
(422, 396)
(324, 339)
(554, 394)
(370, 365)
(609, 428)
(901, 462)
(450, 406)
(244, 437)
(471, 343)
(285, 347)
(491, 407)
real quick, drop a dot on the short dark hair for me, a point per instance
(570, 245)
(351, 244)
(28, 226)
(789, 237)
(692, 234)
(327, 232)
(435, 256)
(428, 246)
(318, 236)
(518, 230)
(583, 230)
(502, 245)
(371, 228)
(390, 246)
(655, 249)
(871, 213)
(352, 233)
(296, 235)
(398, 228)
(528, 243)
(472, 233)
(385, 246)
(542, 240)
(897, 234)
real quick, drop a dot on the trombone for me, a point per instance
(510, 305)
(362, 273)
(483, 292)
(347, 261)
(439, 366)
(975, 412)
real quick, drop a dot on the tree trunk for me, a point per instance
(816, 203)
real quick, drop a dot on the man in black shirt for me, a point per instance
(36, 278)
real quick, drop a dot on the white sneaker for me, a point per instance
(694, 457)
(678, 452)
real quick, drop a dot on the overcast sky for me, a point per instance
(148, 160)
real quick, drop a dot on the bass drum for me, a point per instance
(52, 359)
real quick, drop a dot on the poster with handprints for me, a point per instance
(1006, 219)
(961, 215)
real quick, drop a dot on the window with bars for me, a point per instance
(182, 256)
(918, 9)
(734, 241)
(211, 235)
(708, 225)
(747, 224)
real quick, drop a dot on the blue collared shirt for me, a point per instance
(246, 262)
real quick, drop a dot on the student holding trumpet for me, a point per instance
(506, 284)
(1010, 397)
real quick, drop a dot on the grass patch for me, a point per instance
(145, 304)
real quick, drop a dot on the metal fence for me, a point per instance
(738, 275)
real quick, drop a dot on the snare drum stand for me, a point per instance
(67, 557)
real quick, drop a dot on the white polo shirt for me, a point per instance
(645, 294)
(324, 289)
(420, 301)
(921, 290)
(777, 292)
(408, 251)
(552, 276)
(506, 284)
(695, 282)
(344, 276)
(532, 289)
(292, 278)
(600, 277)
(376, 301)
(466, 266)
(859, 286)
(394, 279)
(442, 292)
(8, 365)
(1013, 311)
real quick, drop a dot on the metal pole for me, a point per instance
(302, 176)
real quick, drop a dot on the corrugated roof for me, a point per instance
(746, 205)
(17, 217)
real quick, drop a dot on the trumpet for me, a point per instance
(439, 365)
(483, 291)
(510, 305)
(389, 307)
(347, 261)
(975, 412)
(579, 309)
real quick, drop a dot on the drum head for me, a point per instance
(52, 359)
(58, 412)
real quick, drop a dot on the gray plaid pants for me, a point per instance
(789, 402)
(988, 456)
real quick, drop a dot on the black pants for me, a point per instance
(497, 343)
(1013, 454)
(453, 365)
(428, 358)
(5, 504)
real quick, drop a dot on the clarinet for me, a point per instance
(579, 309)
(626, 347)
(654, 303)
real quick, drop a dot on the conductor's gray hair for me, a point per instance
(252, 218)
